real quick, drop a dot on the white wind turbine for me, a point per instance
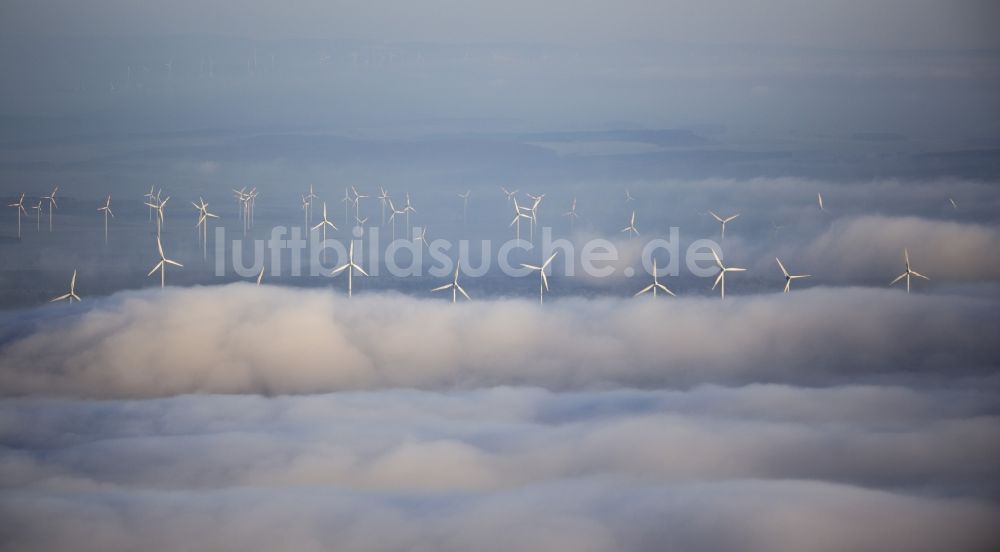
(909, 272)
(454, 286)
(150, 196)
(37, 208)
(722, 273)
(357, 202)
(159, 206)
(392, 217)
(19, 206)
(518, 215)
(203, 216)
(408, 208)
(350, 266)
(51, 198)
(509, 193)
(162, 265)
(72, 291)
(628, 196)
(347, 201)
(723, 221)
(543, 285)
(465, 204)
(631, 230)
(789, 277)
(308, 200)
(241, 197)
(655, 285)
(305, 212)
(323, 224)
(572, 214)
(536, 201)
(383, 199)
(422, 237)
(107, 211)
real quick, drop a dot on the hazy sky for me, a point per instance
(854, 24)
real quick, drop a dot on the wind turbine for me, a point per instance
(308, 200)
(357, 202)
(150, 196)
(909, 272)
(465, 204)
(422, 237)
(72, 291)
(19, 206)
(518, 215)
(536, 201)
(628, 196)
(509, 193)
(37, 208)
(722, 273)
(351, 266)
(655, 285)
(454, 286)
(107, 211)
(203, 216)
(383, 199)
(322, 225)
(162, 265)
(305, 212)
(347, 205)
(631, 229)
(789, 277)
(159, 206)
(51, 198)
(408, 208)
(723, 221)
(572, 214)
(819, 199)
(392, 217)
(543, 286)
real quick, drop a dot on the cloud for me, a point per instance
(760, 467)
(242, 339)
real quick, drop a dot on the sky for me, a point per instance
(217, 414)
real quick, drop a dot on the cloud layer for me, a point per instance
(242, 339)
(762, 467)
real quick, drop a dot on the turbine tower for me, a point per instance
(543, 285)
(722, 273)
(909, 272)
(350, 266)
(454, 286)
(72, 291)
(162, 265)
(789, 277)
(655, 285)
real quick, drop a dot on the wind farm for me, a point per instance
(631, 276)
